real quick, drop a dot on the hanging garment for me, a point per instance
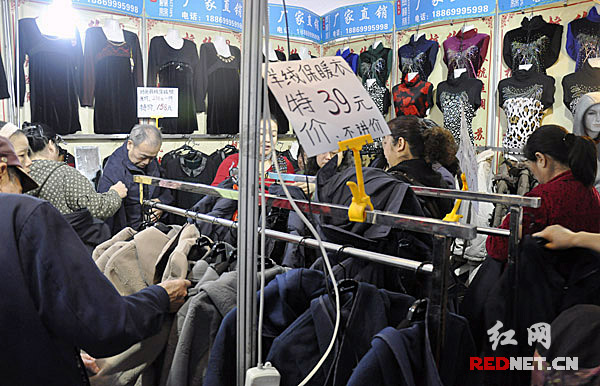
(418, 56)
(296, 56)
(549, 282)
(3, 83)
(220, 79)
(380, 95)
(455, 96)
(412, 97)
(524, 97)
(579, 83)
(286, 298)
(193, 166)
(583, 38)
(111, 74)
(364, 313)
(350, 57)
(376, 63)
(55, 77)
(232, 162)
(535, 42)
(466, 50)
(40, 250)
(283, 125)
(404, 357)
(180, 68)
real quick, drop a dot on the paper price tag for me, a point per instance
(155, 102)
(325, 102)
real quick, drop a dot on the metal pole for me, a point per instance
(144, 42)
(516, 218)
(16, 56)
(8, 55)
(438, 294)
(250, 98)
(493, 128)
(311, 243)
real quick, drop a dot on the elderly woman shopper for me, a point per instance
(18, 139)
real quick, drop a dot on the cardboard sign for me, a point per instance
(325, 102)
(88, 161)
(159, 102)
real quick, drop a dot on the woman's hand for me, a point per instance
(558, 237)
(307, 187)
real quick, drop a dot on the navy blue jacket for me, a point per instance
(404, 357)
(296, 351)
(286, 298)
(120, 168)
(55, 301)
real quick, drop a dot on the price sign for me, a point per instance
(325, 102)
(415, 12)
(159, 102)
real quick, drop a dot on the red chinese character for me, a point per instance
(191, 37)
(434, 37)
(482, 73)
(479, 134)
(483, 104)
(555, 20)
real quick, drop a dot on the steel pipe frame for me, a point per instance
(412, 223)
(312, 243)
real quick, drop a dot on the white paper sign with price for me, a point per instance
(161, 102)
(325, 102)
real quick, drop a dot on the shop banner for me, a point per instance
(363, 19)
(505, 6)
(157, 102)
(414, 12)
(128, 7)
(221, 13)
(325, 102)
(301, 22)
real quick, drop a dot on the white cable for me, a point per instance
(310, 226)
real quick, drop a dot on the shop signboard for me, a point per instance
(325, 102)
(415, 12)
(505, 6)
(157, 102)
(363, 19)
(221, 13)
(301, 22)
(128, 7)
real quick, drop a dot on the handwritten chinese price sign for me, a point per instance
(325, 103)
(157, 102)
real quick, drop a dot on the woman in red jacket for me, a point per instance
(233, 160)
(565, 165)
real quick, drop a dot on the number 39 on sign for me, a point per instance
(325, 103)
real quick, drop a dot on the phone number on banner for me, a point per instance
(113, 4)
(367, 28)
(460, 11)
(223, 21)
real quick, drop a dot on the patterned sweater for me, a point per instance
(68, 190)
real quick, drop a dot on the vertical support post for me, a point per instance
(145, 42)
(17, 77)
(250, 114)
(8, 54)
(438, 295)
(493, 128)
(516, 217)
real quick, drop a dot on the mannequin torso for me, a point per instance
(377, 44)
(173, 39)
(112, 31)
(418, 36)
(467, 27)
(222, 47)
(303, 53)
(50, 25)
(271, 54)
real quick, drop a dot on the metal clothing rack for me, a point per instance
(437, 287)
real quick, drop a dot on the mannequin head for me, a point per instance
(591, 121)
(43, 142)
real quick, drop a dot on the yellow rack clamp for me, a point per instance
(452, 216)
(360, 200)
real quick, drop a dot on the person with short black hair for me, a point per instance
(565, 165)
(137, 156)
(411, 149)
